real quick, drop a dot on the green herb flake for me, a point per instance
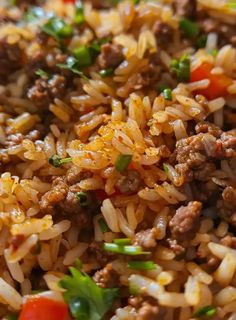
(142, 265)
(79, 13)
(127, 250)
(165, 167)
(72, 65)
(83, 198)
(214, 52)
(103, 225)
(56, 161)
(83, 56)
(122, 241)
(207, 311)
(201, 41)
(57, 28)
(167, 93)
(41, 73)
(181, 68)
(190, 29)
(104, 73)
(231, 5)
(86, 300)
(122, 162)
(78, 264)
(33, 14)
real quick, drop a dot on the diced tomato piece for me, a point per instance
(69, 1)
(218, 82)
(40, 308)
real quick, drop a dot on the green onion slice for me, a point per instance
(83, 56)
(142, 265)
(190, 28)
(79, 13)
(83, 198)
(208, 311)
(41, 73)
(122, 241)
(181, 68)
(56, 161)
(106, 72)
(122, 162)
(165, 167)
(57, 28)
(129, 250)
(103, 225)
(167, 93)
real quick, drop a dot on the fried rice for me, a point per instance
(117, 159)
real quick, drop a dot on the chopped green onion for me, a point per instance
(106, 72)
(142, 265)
(41, 73)
(181, 68)
(214, 52)
(122, 162)
(57, 28)
(208, 311)
(167, 93)
(79, 13)
(122, 241)
(78, 263)
(79, 308)
(72, 65)
(201, 41)
(103, 225)
(83, 198)
(130, 250)
(231, 5)
(33, 14)
(12, 2)
(134, 290)
(136, 1)
(83, 56)
(56, 161)
(165, 167)
(190, 28)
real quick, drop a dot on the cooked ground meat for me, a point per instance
(185, 222)
(146, 238)
(186, 8)
(226, 32)
(74, 175)
(54, 196)
(111, 56)
(204, 171)
(147, 312)
(107, 277)
(129, 183)
(70, 204)
(44, 91)
(227, 205)
(10, 57)
(175, 246)
(207, 127)
(35, 62)
(163, 33)
(95, 249)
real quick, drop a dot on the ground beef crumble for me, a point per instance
(146, 238)
(186, 220)
(107, 277)
(129, 183)
(111, 56)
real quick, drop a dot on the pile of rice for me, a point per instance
(95, 121)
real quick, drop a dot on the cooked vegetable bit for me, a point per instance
(83, 198)
(142, 265)
(190, 29)
(86, 300)
(83, 56)
(122, 162)
(56, 161)
(103, 225)
(129, 250)
(207, 311)
(79, 13)
(72, 65)
(122, 241)
(57, 28)
(41, 73)
(167, 93)
(106, 72)
(181, 68)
